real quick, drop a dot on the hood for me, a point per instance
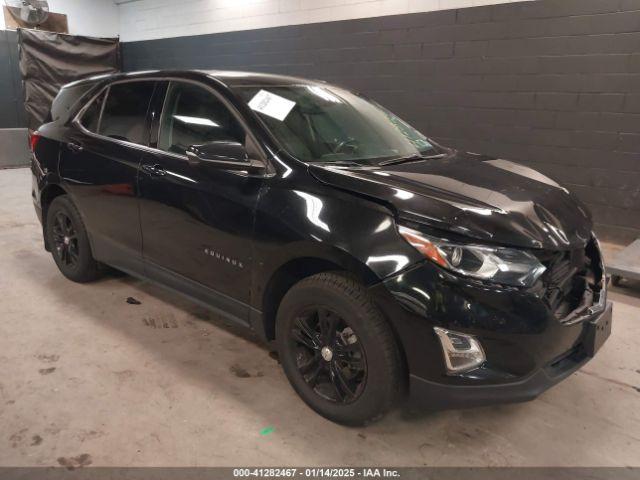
(488, 199)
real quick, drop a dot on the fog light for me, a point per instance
(461, 352)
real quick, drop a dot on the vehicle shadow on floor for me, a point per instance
(230, 360)
(202, 352)
(192, 315)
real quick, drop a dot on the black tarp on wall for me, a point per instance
(49, 60)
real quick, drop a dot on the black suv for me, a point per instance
(378, 262)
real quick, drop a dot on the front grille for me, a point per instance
(573, 281)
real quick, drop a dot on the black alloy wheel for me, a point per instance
(68, 241)
(65, 240)
(338, 351)
(329, 356)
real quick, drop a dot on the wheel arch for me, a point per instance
(299, 268)
(48, 194)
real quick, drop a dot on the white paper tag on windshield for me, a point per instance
(271, 104)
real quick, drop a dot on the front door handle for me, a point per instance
(75, 147)
(155, 170)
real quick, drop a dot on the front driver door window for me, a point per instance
(193, 116)
(197, 220)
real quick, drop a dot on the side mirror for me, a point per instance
(224, 155)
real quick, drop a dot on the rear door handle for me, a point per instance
(155, 170)
(75, 147)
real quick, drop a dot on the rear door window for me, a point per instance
(125, 112)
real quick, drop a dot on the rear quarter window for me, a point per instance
(91, 117)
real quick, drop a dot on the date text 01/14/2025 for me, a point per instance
(316, 472)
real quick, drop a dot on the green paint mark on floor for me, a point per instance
(267, 430)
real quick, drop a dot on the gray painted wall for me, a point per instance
(13, 138)
(11, 100)
(14, 147)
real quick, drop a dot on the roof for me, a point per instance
(229, 78)
(234, 79)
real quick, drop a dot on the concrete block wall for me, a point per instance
(150, 19)
(553, 84)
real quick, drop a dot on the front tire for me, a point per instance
(337, 350)
(69, 242)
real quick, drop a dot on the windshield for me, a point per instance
(328, 124)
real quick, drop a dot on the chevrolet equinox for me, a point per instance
(379, 263)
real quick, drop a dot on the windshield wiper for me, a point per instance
(411, 158)
(338, 163)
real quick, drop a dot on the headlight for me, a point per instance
(507, 266)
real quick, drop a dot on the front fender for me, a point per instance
(303, 218)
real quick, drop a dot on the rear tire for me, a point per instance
(69, 242)
(337, 350)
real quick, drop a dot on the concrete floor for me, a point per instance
(89, 379)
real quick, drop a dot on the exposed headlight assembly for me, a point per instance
(507, 266)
